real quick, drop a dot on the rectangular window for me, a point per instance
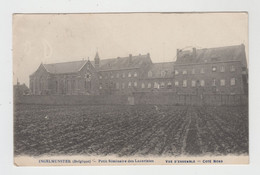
(123, 75)
(202, 83)
(117, 85)
(135, 74)
(233, 81)
(100, 77)
(184, 84)
(129, 74)
(222, 69)
(176, 83)
(202, 70)
(143, 85)
(135, 84)
(129, 84)
(193, 83)
(232, 68)
(214, 82)
(222, 82)
(176, 72)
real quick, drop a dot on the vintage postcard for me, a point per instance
(130, 89)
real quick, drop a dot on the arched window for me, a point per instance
(169, 85)
(162, 84)
(135, 74)
(150, 74)
(149, 85)
(129, 74)
(129, 84)
(155, 85)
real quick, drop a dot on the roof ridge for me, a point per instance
(66, 62)
(222, 47)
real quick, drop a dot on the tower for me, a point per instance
(97, 61)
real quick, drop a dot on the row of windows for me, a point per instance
(202, 71)
(194, 83)
(118, 75)
(164, 73)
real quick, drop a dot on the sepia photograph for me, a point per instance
(102, 89)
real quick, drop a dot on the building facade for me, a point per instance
(220, 70)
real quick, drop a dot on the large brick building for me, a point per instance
(220, 70)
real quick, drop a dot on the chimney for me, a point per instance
(178, 53)
(194, 52)
(130, 58)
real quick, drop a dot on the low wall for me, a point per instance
(163, 98)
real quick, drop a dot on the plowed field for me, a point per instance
(130, 130)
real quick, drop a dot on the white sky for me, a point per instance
(50, 38)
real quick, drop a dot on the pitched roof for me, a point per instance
(219, 54)
(158, 68)
(66, 67)
(105, 64)
(124, 62)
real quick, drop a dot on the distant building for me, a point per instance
(220, 70)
